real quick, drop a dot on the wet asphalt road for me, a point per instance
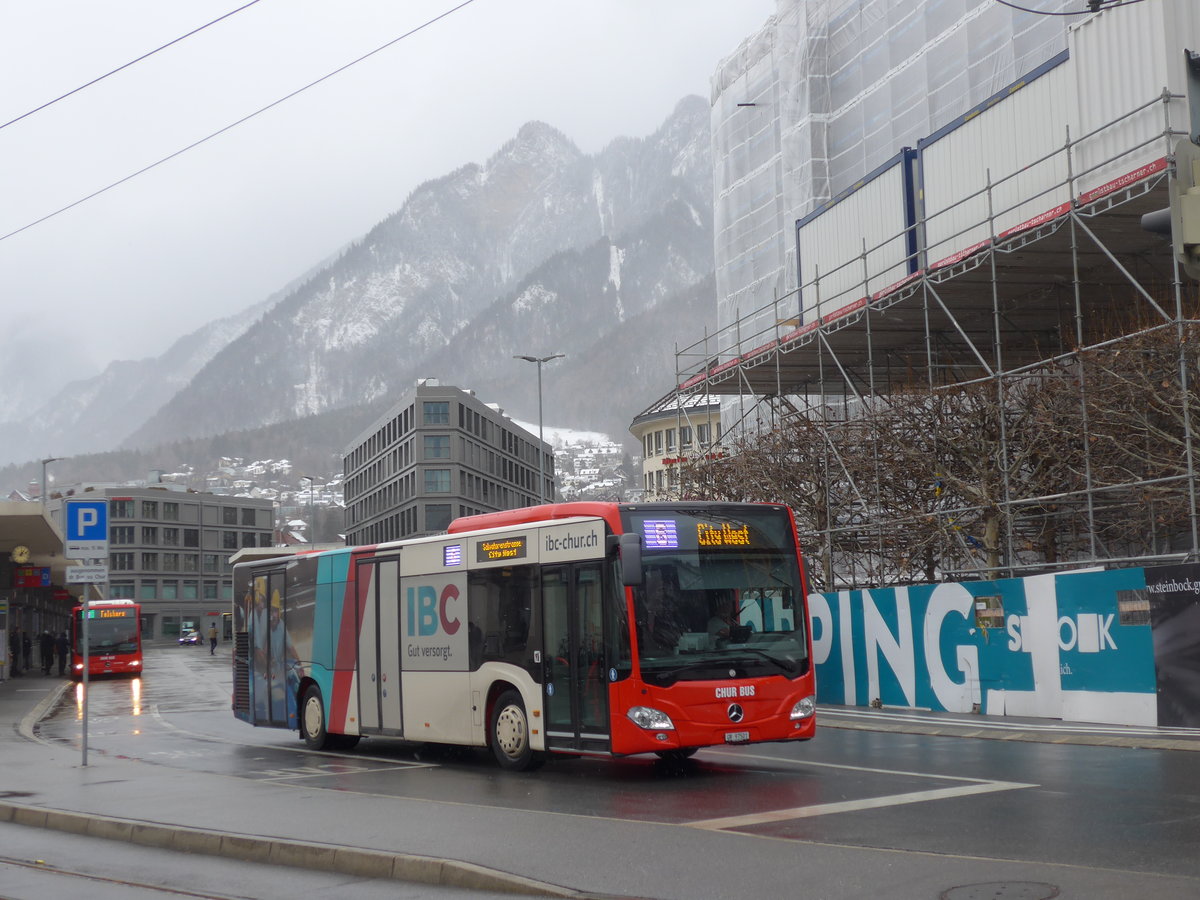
(1103, 809)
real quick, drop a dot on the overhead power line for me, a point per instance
(128, 64)
(232, 125)
(1093, 6)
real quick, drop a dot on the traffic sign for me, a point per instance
(87, 574)
(86, 529)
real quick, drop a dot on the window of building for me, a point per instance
(121, 562)
(702, 433)
(191, 537)
(437, 412)
(685, 435)
(170, 511)
(170, 537)
(190, 591)
(264, 539)
(210, 590)
(437, 481)
(149, 509)
(170, 562)
(149, 562)
(249, 539)
(149, 535)
(437, 446)
(149, 590)
(658, 443)
(670, 439)
(212, 563)
(229, 540)
(248, 516)
(228, 515)
(121, 534)
(121, 590)
(121, 509)
(169, 590)
(437, 516)
(187, 562)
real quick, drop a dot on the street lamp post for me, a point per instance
(46, 462)
(312, 522)
(541, 492)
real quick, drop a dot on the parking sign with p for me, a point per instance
(86, 527)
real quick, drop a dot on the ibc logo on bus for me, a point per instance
(427, 609)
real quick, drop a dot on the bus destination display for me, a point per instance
(498, 549)
(664, 534)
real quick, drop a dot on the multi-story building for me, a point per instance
(169, 549)
(672, 431)
(438, 454)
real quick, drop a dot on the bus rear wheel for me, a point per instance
(312, 719)
(510, 734)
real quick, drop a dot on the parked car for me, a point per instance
(191, 637)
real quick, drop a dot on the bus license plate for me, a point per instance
(737, 737)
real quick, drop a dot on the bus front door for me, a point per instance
(575, 683)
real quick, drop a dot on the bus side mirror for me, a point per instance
(630, 549)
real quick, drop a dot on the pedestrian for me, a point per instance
(212, 639)
(14, 650)
(62, 645)
(46, 651)
(27, 649)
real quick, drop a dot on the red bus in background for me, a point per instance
(114, 633)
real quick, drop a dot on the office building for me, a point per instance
(438, 454)
(169, 549)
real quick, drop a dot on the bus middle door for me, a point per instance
(575, 683)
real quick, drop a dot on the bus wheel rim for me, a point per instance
(312, 716)
(511, 731)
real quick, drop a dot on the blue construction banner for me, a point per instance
(1074, 645)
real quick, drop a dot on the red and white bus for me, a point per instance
(598, 629)
(114, 636)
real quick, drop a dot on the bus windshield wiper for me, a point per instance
(788, 664)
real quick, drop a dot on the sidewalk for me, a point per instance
(1007, 728)
(43, 785)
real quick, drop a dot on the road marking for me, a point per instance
(824, 809)
(301, 772)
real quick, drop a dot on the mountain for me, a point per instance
(94, 413)
(541, 249)
(607, 258)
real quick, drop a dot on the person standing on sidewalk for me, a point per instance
(46, 651)
(14, 650)
(62, 644)
(27, 649)
(212, 640)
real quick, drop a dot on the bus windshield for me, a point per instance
(115, 632)
(721, 593)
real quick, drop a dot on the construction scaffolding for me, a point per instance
(952, 396)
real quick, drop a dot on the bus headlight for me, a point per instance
(651, 719)
(804, 709)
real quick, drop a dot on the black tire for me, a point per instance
(312, 720)
(341, 741)
(510, 734)
(678, 755)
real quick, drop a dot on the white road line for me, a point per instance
(824, 809)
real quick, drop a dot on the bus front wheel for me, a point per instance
(510, 734)
(312, 719)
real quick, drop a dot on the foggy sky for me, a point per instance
(224, 225)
